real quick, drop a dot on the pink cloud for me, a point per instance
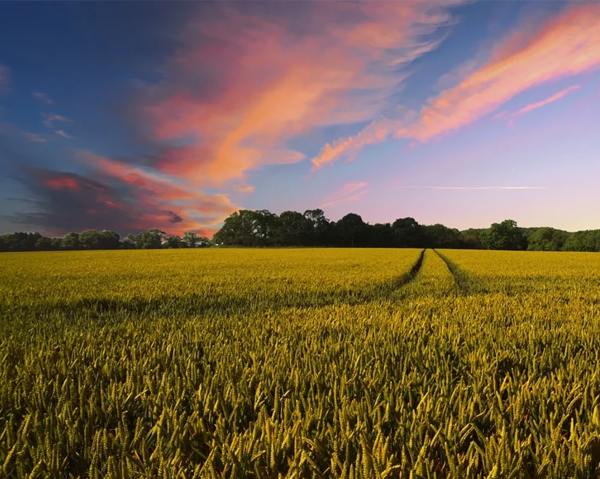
(272, 83)
(564, 46)
(534, 106)
(63, 183)
(350, 192)
(162, 201)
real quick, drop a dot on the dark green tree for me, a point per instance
(190, 239)
(583, 241)
(44, 244)
(351, 229)
(505, 236)
(172, 242)
(440, 236)
(21, 241)
(472, 238)
(70, 241)
(321, 227)
(408, 233)
(293, 229)
(99, 240)
(151, 239)
(547, 239)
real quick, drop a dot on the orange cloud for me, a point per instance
(272, 83)
(162, 201)
(564, 46)
(540, 104)
(350, 192)
(376, 132)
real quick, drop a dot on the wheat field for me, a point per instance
(300, 363)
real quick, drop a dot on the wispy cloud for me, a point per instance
(534, 106)
(42, 97)
(63, 134)
(50, 119)
(472, 188)
(564, 46)
(34, 137)
(350, 192)
(342, 70)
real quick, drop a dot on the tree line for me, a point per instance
(262, 228)
(97, 240)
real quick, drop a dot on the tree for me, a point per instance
(321, 227)
(248, 228)
(190, 239)
(44, 244)
(583, 241)
(151, 239)
(505, 236)
(99, 240)
(472, 238)
(173, 242)
(70, 241)
(409, 233)
(293, 229)
(547, 239)
(440, 236)
(21, 241)
(350, 228)
(56, 242)
(237, 229)
(129, 242)
(380, 235)
(204, 242)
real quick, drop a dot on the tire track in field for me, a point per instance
(413, 272)
(384, 290)
(464, 282)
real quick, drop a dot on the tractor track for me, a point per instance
(463, 281)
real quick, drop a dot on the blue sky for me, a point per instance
(133, 115)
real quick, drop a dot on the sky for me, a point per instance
(136, 115)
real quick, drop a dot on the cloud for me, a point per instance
(473, 188)
(63, 134)
(350, 147)
(159, 200)
(42, 97)
(278, 77)
(350, 192)
(49, 119)
(534, 106)
(243, 188)
(564, 46)
(65, 201)
(34, 137)
(175, 218)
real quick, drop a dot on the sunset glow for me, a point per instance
(211, 107)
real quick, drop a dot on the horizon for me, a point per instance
(130, 116)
